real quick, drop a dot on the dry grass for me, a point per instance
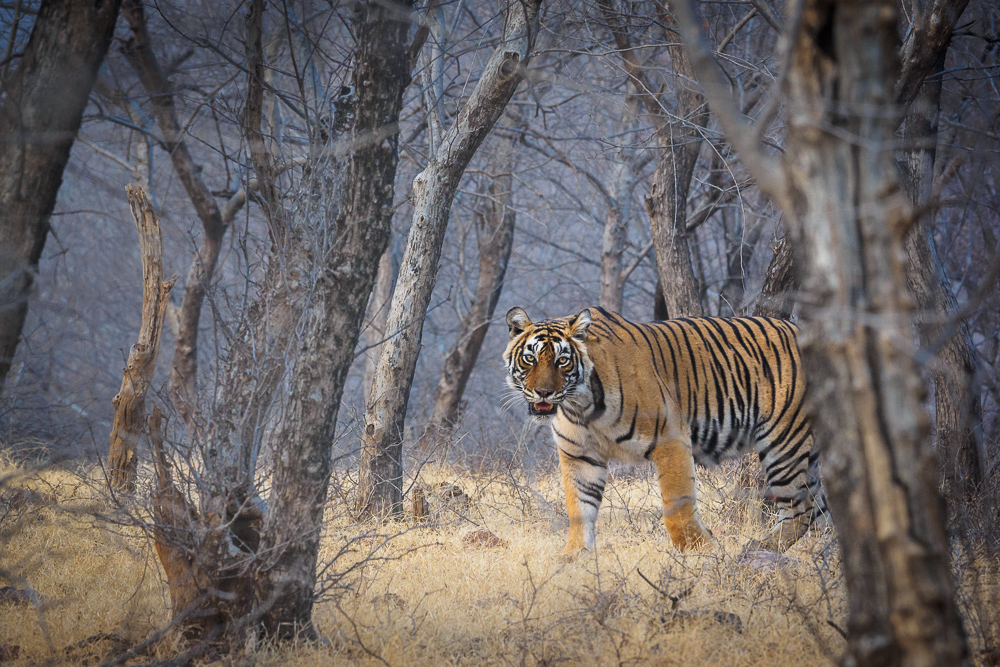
(418, 593)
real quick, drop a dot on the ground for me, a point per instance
(440, 591)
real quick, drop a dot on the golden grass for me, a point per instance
(415, 594)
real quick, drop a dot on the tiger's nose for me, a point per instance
(543, 392)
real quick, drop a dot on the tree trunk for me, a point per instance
(42, 107)
(619, 213)
(184, 371)
(380, 484)
(666, 205)
(739, 253)
(679, 142)
(615, 235)
(495, 220)
(130, 402)
(957, 410)
(838, 186)
(667, 202)
(879, 469)
(378, 311)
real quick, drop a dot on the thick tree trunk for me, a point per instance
(380, 484)
(879, 469)
(666, 205)
(839, 188)
(42, 107)
(958, 412)
(495, 220)
(327, 235)
(130, 402)
(184, 371)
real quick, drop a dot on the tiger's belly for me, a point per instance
(631, 439)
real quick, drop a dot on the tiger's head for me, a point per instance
(547, 362)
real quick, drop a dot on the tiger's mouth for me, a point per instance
(541, 409)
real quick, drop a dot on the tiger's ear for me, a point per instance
(517, 321)
(578, 328)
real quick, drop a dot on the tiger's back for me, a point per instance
(733, 381)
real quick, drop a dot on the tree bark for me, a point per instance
(839, 189)
(781, 282)
(380, 484)
(495, 220)
(378, 310)
(39, 120)
(130, 402)
(214, 221)
(958, 411)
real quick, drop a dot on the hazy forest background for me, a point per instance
(602, 160)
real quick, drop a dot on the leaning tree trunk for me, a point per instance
(130, 402)
(958, 412)
(495, 220)
(838, 185)
(40, 116)
(380, 484)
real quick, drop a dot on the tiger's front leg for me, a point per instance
(675, 467)
(584, 477)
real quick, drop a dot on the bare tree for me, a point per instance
(679, 137)
(214, 220)
(326, 237)
(494, 219)
(43, 102)
(839, 188)
(380, 486)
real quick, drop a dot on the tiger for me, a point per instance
(674, 392)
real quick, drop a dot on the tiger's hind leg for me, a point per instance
(792, 473)
(675, 467)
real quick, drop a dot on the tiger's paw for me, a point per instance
(693, 537)
(573, 551)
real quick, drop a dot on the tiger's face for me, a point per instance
(547, 362)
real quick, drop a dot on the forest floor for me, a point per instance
(444, 591)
